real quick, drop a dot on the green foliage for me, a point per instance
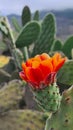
(28, 34)
(46, 37)
(26, 15)
(36, 16)
(65, 75)
(57, 46)
(67, 47)
(48, 98)
(63, 119)
(16, 24)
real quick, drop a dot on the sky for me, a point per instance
(16, 6)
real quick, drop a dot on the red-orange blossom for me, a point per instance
(41, 70)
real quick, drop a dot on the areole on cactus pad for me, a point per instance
(40, 72)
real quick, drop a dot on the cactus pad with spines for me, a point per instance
(63, 119)
(22, 120)
(10, 95)
(46, 38)
(28, 35)
(26, 15)
(65, 75)
(48, 98)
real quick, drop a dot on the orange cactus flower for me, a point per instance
(41, 70)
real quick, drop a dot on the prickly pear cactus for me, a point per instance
(67, 47)
(46, 37)
(63, 119)
(57, 46)
(48, 98)
(26, 15)
(22, 120)
(10, 95)
(36, 16)
(65, 75)
(28, 34)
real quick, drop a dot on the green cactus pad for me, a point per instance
(57, 46)
(36, 16)
(65, 75)
(46, 38)
(26, 15)
(22, 120)
(28, 35)
(10, 95)
(67, 47)
(63, 119)
(48, 98)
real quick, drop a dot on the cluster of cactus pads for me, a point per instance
(38, 37)
(11, 116)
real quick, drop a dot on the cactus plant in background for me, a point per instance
(22, 120)
(10, 95)
(67, 47)
(36, 16)
(57, 46)
(26, 15)
(65, 75)
(46, 37)
(28, 35)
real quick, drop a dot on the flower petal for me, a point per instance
(46, 67)
(60, 64)
(44, 56)
(22, 75)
